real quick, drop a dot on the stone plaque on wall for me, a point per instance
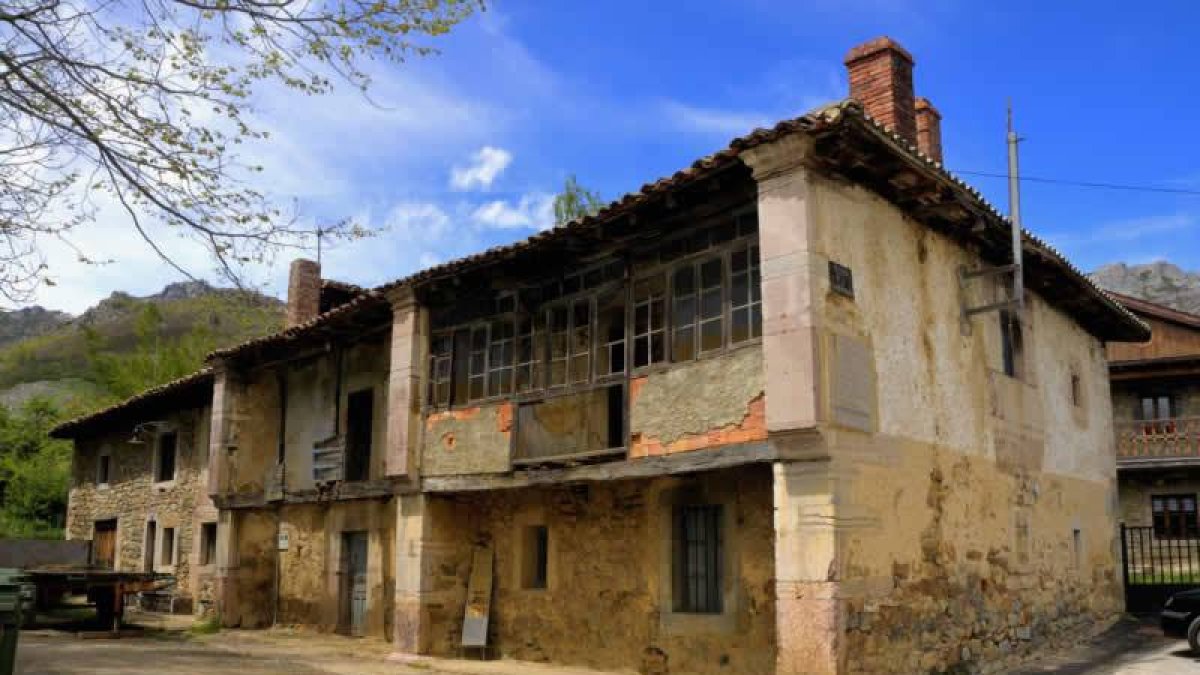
(852, 383)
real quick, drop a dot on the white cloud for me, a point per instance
(534, 211)
(424, 221)
(486, 165)
(1131, 230)
(712, 120)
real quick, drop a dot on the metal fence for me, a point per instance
(1155, 567)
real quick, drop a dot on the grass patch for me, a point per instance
(207, 626)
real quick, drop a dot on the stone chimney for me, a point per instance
(929, 129)
(881, 80)
(304, 292)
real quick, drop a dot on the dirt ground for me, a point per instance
(1131, 647)
(166, 647)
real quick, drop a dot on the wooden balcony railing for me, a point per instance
(1175, 438)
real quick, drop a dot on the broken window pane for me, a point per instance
(440, 354)
(560, 333)
(477, 376)
(611, 332)
(529, 356)
(581, 341)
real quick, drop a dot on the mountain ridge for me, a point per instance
(1161, 282)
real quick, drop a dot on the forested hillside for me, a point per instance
(54, 366)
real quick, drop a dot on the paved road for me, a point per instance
(1131, 647)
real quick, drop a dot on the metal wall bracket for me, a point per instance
(966, 276)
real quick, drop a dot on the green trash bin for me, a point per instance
(11, 583)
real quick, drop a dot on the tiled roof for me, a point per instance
(162, 392)
(821, 118)
(826, 117)
(1156, 310)
(367, 298)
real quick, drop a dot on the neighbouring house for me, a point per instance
(775, 413)
(139, 492)
(1156, 416)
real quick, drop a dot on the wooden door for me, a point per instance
(104, 544)
(354, 586)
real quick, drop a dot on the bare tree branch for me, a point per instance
(148, 99)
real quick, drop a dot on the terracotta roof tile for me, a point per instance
(69, 428)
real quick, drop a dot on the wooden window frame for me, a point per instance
(541, 333)
(1175, 524)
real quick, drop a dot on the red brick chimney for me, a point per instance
(304, 291)
(929, 129)
(881, 79)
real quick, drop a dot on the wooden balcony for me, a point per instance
(1165, 442)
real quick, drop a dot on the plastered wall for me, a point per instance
(312, 415)
(975, 513)
(723, 404)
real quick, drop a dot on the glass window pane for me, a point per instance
(739, 291)
(739, 330)
(685, 281)
(641, 319)
(683, 346)
(756, 321)
(738, 261)
(710, 304)
(710, 336)
(685, 311)
(658, 348)
(710, 273)
(641, 352)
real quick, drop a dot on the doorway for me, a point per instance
(104, 544)
(354, 583)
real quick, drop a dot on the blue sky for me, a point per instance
(464, 150)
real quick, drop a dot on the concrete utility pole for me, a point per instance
(1014, 213)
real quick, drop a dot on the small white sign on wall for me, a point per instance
(284, 539)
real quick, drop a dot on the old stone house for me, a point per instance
(138, 488)
(1156, 417)
(742, 420)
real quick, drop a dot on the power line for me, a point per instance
(1105, 186)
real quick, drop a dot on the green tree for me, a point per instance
(147, 101)
(35, 471)
(156, 357)
(575, 202)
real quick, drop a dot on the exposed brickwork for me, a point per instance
(929, 129)
(881, 79)
(304, 292)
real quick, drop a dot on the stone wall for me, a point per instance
(133, 498)
(309, 573)
(608, 598)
